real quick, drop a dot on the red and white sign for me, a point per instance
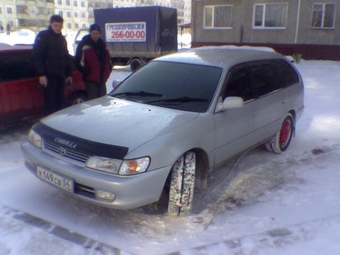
(125, 32)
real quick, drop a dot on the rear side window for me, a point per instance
(286, 75)
(264, 78)
(255, 79)
(16, 66)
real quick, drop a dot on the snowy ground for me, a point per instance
(267, 204)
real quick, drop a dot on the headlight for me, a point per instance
(115, 166)
(104, 164)
(34, 138)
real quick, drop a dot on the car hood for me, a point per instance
(117, 121)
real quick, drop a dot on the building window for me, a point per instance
(67, 2)
(60, 13)
(83, 15)
(323, 15)
(9, 10)
(60, 2)
(219, 16)
(0, 10)
(82, 4)
(75, 3)
(69, 26)
(270, 15)
(76, 26)
(32, 10)
(76, 14)
(68, 14)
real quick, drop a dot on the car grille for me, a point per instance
(66, 152)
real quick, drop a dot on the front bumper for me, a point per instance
(129, 191)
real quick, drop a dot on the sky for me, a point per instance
(267, 203)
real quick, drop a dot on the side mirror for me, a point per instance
(229, 103)
(115, 83)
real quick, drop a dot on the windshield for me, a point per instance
(179, 86)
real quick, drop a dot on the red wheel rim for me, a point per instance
(285, 133)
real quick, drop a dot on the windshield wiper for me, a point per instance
(139, 93)
(178, 100)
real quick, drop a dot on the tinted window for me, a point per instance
(239, 85)
(16, 66)
(165, 84)
(263, 78)
(286, 75)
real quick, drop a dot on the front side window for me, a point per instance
(323, 15)
(272, 15)
(219, 16)
(239, 85)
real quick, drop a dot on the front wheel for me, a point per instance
(182, 185)
(283, 137)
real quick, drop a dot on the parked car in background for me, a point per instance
(157, 134)
(20, 97)
(78, 37)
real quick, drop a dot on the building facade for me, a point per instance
(34, 14)
(307, 27)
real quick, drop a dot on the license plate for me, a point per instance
(55, 179)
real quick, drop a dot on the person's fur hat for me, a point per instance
(94, 27)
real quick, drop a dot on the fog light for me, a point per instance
(105, 195)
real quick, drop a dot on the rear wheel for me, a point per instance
(77, 98)
(135, 64)
(182, 185)
(283, 137)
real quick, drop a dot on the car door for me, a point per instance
(269, 99)
(19, 96)
(235, 127)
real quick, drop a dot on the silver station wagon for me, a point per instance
(166, 125)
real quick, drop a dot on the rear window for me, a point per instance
(286, 75)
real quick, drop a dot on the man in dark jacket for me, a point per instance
(92, 59)
(52, 63)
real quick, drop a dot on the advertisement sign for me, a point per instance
(125, 32)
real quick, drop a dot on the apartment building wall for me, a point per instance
(310, 27)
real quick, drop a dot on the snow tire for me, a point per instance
(182, 185)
